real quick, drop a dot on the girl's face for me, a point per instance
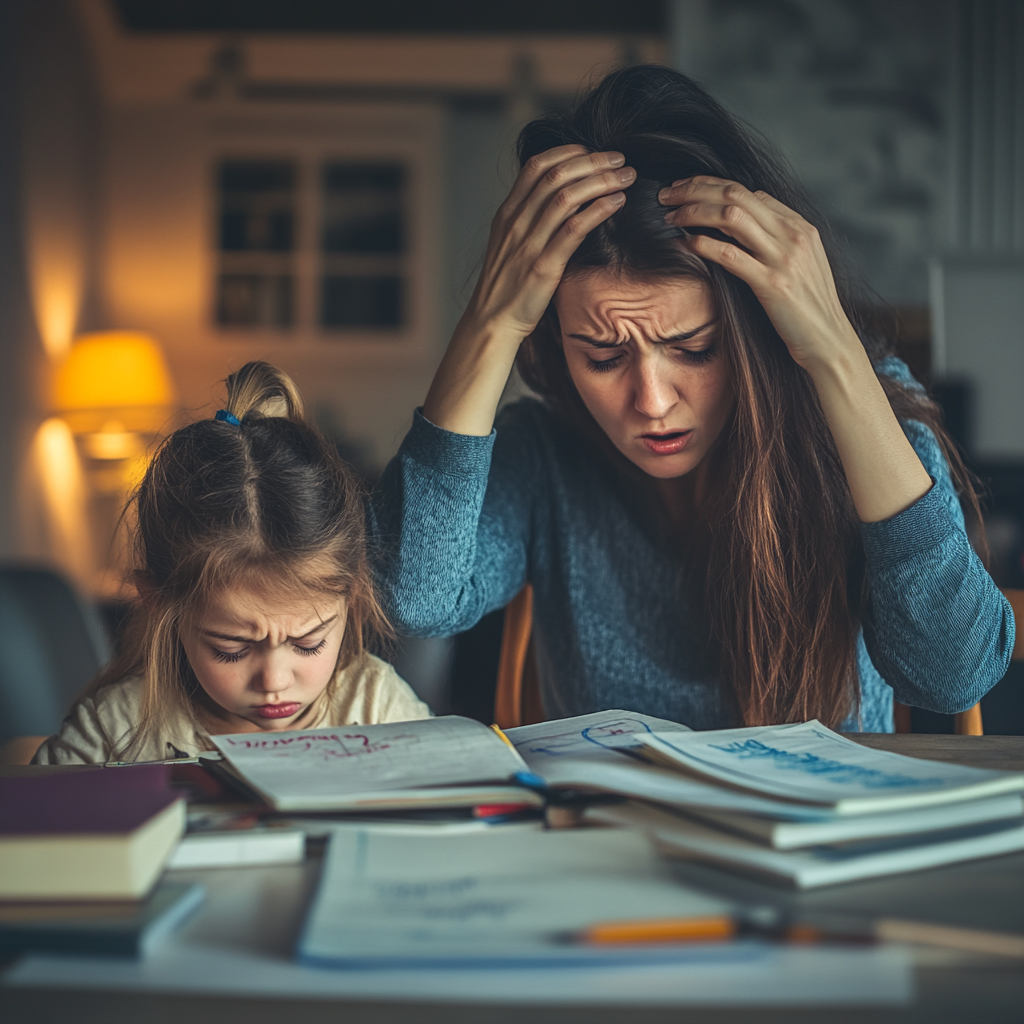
(645, 359)
(265, 660)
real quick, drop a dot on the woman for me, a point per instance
(733, 506)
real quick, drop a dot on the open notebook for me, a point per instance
(435, 762)
(810, 764)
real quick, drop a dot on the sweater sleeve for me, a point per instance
(936, 627)
(82, 739)
(449, 528)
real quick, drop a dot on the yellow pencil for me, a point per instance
(497, 729)
(668, 929)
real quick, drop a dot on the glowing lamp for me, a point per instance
(111, 388)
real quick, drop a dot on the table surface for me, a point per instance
(983, 894)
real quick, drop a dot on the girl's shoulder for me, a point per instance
(98, 724)
(101, 725)
(370, 691)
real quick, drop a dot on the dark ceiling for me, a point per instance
(562, 16)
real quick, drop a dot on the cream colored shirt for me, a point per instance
(101, 725)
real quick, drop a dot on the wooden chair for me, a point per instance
(517, 697)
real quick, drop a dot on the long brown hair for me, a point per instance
(780, 549)
(264, 502)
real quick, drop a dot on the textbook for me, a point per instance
(498, 898)
(810, 764)
(791, 835)
(815, 866)
(118, 928)
(261, 843)
(103, 834)
(433, 762)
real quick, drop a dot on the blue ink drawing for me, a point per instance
(603, 735)
(813, 764)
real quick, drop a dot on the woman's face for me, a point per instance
(644, 356)
(264, 660)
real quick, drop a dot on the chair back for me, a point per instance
(51, 644)
(517, 698)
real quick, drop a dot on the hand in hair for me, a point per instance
(559, 196)
(780, 256)
(777, 253)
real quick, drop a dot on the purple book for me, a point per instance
(104, 801)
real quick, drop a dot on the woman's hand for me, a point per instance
(534, 233)
(779, 255)
(782, 259)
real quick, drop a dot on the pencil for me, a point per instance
(504, 738)
(669, 929)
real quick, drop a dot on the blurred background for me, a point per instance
(189, 184)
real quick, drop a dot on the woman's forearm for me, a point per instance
(882, 469)
(467, 387)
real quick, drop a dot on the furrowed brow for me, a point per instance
(596, 343)
(685, 336)
(249, 640)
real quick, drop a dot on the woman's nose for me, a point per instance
(655, 393)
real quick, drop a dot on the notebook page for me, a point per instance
(354, 759)
(591, 751)
(489, 897)
(809, 762)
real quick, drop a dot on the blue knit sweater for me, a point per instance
(460, 523)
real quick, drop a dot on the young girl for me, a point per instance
(255, 597)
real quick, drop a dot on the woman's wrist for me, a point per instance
(464, 395)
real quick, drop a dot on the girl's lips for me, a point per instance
(670, 443)
(277, 710)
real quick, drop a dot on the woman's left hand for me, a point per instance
(779, 255)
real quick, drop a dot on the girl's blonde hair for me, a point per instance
(262, 501)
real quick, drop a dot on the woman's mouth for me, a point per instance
(277, 710)
(671, 442)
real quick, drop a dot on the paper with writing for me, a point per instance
(497, 898)
(341, 765)
(809, 762)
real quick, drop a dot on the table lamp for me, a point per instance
(113, 389)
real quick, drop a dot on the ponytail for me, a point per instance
(260, 389)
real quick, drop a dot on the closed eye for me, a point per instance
(309, 651)
(696, 357)
(230, 657)
(603, 365)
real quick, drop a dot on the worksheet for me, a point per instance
(494, 898)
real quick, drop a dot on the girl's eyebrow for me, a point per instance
(685, 336)
(249, 639)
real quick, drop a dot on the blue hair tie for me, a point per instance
(226, 417)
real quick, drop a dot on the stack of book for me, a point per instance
(794, 804)
(82, 852)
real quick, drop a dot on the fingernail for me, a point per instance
(618, 198)
(681, 181)
(664, 194)
(616, 159)
(627, 174)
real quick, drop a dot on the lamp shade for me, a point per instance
(114, 379)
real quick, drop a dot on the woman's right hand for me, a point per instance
(534, 233)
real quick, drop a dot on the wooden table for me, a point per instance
(951, 988)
